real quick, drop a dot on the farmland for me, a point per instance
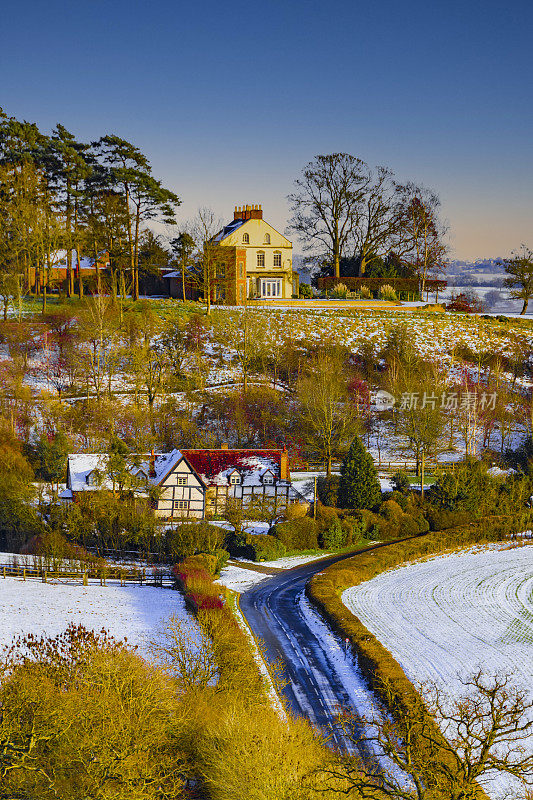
(446, 617)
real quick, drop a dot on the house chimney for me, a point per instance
(248, 212)
(151, 471)
(224, 446)
(285, 474)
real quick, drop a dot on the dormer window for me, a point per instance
(235, 479)
(260, 258)
(92, 478)
(246, 238)
(267, 238)
(268, 479)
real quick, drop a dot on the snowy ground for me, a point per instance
(240, 578)
(133, 612)
(443, 618)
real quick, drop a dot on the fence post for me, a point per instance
(24, 574)
(45, 574)
(85, 581)
(4, 570)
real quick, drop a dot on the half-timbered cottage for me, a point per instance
(193, 484)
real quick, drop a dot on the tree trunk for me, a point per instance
(336, 265)
(183, 279)
(135, 287)
(524, 307)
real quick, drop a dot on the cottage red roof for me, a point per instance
(214, 466)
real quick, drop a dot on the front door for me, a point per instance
(270, 287)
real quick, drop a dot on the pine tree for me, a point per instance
(359, 485)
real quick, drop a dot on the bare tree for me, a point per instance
(204, 228)
(325, 204)
(186, 652)
(328, 417)
(480, 735)
(519, 269)
(420, 236)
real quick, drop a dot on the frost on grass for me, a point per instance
(444, 618)
(129, 612)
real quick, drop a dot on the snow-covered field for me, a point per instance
(133, 612)
(445, 617)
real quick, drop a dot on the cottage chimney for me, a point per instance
(151, 471)
(224, 446)
(285, 474)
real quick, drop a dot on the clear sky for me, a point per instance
(231, 100)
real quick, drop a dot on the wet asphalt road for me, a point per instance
(314, 688)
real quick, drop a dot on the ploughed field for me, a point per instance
(446, 617)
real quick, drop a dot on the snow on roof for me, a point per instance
(215, 466)
(81, 465)
(162, 464)
(58, 259)
(229, 229)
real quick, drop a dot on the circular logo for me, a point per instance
(384, 401)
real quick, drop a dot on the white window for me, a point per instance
(268, 479)
(246, 238)
(235, 479)
(277, 258)
(181, 505)
(181, 480)
(241, 269)
(260, 258)
(267, 238)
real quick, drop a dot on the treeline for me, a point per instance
(57, 193)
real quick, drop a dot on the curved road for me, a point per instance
(320, 678)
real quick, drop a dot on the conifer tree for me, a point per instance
(359, 485)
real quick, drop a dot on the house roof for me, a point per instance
(163, 463)
(215, 466)
(59, 259)
(81, 465)
(228, 229)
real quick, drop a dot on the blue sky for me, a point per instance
(230, 101)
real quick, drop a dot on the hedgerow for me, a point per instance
(382, 671)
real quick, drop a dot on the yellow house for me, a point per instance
(255, 260)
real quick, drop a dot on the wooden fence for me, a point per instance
(101, 574)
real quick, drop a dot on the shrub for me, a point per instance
(400, 482)
(334, 537)
(264, 547)
(327, 489)
(387, 292)
(339, 290)
(299, 534)
(391, 511)
(194, 537)
(305, 291)
(222, 557)
(440, 519)
(365, 293)
(467, 488)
